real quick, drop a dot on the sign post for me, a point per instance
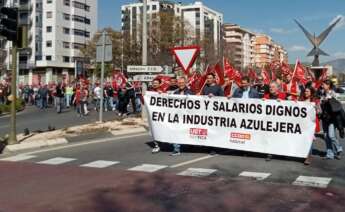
(104, 54)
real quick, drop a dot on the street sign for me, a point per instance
(186, 56)
(144, 78)
(108, 50)
(144, 69)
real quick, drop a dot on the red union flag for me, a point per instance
(119, 79)
(285, 68)
(186, 56)
(219, 74)
(231, 72)
(265, 76)
(299, 73)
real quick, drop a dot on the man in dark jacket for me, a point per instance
(211, 88)
(182, 90)
(245, 91)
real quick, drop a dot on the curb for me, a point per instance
(60, 141)
(34, 145)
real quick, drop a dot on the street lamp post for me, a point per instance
(144, 56)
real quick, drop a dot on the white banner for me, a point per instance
(255, 125)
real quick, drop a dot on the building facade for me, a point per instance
(200, 22)
(267, 51)
(239, 43)
(56, 30)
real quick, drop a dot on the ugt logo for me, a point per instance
(198, 133)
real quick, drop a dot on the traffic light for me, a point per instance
(9, 23)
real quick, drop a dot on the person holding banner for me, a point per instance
(211, 88)
(245, 91)
(309, 96)
(156, 83)
(330, 121)
(182, 90)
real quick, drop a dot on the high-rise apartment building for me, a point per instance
(201, 22)
(56, 30)
(239, 43)
(267, 51)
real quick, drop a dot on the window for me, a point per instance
(67, 2)
(154, 7)
(66, 30)
(81, 33)
(49, 29)
(49, 57)
(66, 59)
(81, 19)
(80, 5)
(49, 14)
(49, 43)
(66, 16)
(49, 1)
(78, 45)
(66, 45)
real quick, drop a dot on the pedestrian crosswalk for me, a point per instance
(310, 181)
(56, 161)
(100, 164)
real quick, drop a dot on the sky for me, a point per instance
(272, 17)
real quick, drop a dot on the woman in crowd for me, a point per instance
(309, 96)
(330, 121)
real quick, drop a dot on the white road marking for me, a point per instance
(100, 164)
(319, 182)
(192, 161)
(197, 172)
(255, 175)
(148, 168)
(18, 158)
(105, 140)
(57, 161)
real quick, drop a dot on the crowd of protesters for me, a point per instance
(322, 92)
(125, 99)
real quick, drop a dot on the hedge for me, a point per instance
(20, 105)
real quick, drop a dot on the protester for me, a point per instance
(77, 101)
(274, 92)
(68, 96)
(228, 87)
(122, 102)
(156, 83)
(181, 90)
(173, 85)
(245, 91)
(261, 87)
(43, 94)
(84, 95)
(130, 96)
(309, 96)
(60, 94)
(211, 88)
(3, 94)
(97, 97)
(330, 121)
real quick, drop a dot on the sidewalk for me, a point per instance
(64, 136)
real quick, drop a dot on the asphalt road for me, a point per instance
(122, 162)
(36, 119)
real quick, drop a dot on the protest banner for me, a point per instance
(255, 125)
